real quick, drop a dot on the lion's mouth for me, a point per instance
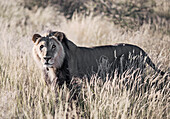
(46, 64)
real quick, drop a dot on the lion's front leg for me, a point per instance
(46, 77)
(49, 76)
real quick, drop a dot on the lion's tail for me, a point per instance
(150, 63)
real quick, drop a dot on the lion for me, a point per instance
(61, 60)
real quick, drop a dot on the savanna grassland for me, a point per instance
(23, 93)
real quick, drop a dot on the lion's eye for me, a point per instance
(41, 47)
(53, 46)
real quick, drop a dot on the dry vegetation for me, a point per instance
(23, 93)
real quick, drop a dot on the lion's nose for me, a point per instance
(47, 58)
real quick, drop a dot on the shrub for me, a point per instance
(126, 13)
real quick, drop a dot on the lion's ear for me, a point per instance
(60, 36)
(35, 37)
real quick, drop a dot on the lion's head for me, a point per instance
(48, 50)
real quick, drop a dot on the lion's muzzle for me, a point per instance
(47, 62)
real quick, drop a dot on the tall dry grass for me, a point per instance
(23, 93)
